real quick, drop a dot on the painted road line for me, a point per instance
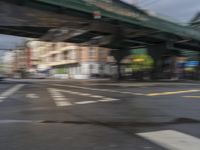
(62, 103)
(81, 87)
(172, 93)
(74, 93)
(108, 100)
(103, 98)
(193, 97)
(80, 93)
(172, 140)
(59, 99)
(57, 96)
(71, 92)
(129, 93)
(56, 93)
(11, 91)
(84, 94)
(132, 93)
(32, 96)
(19, 121)
(86, 102)
(96, 89)
(96, 96)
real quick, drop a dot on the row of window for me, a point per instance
(75, 54)
(66, 55)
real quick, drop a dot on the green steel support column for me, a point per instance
(198, 68)
(119, 55)
(156, 52)
(164, 59)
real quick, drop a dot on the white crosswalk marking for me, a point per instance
(172, 140)
(59, 99)
(84, 94)
(32, 96)
(96, 96)
(103, 99)
(108, 100)
(85, 102)
(10, 91)
(96, 89)
(62, 103)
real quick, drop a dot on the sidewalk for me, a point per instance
(109, 82)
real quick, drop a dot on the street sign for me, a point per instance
(97, 15)
(192, 64)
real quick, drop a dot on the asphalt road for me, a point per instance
(73, 115)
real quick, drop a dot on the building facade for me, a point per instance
(67, 60)
(19, 60)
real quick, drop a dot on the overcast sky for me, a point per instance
(182, 10)
(10, 42)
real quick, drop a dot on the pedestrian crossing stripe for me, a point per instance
(60, 100)
(85, 102)
(10, 91)
(172, 140)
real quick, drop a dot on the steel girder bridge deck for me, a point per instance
(119, 25)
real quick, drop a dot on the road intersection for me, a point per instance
(75, 115)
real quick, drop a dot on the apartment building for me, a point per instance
(19, 60)
(69, 60)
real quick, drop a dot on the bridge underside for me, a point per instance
(53, 23)
(32, 32)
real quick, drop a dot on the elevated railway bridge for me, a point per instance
(106, 23)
